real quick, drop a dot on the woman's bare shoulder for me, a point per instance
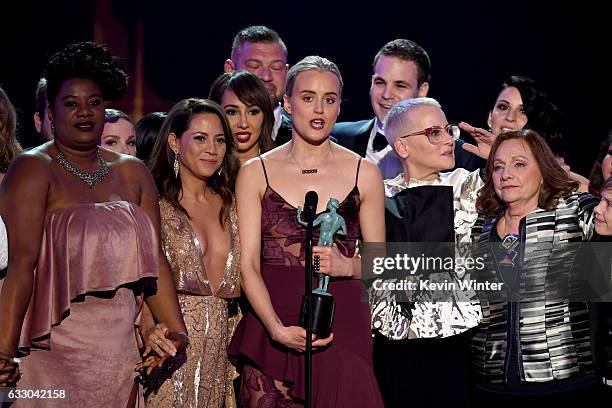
(344, 153)
(124, 162)
(370, 178)
(32, 161)
(269, 160)
(278, 153)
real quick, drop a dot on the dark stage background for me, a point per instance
(175, 49)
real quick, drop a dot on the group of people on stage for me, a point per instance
(161, 262)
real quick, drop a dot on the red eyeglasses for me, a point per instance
(435, 134)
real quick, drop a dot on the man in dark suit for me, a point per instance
(261, 51)
(401, 71)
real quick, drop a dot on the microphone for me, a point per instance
(310, 205)
(306, 316)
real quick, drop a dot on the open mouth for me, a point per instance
(85, 126)
(243, 137)
(317, 124)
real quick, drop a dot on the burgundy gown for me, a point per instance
(343, 375)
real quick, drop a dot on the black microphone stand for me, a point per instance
(309, 215)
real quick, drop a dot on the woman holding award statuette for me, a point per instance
(269, 343)
(85, 250)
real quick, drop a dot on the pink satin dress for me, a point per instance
(95, 261)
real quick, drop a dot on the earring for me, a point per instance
(52, 129)
(176, 164)
(219, 171)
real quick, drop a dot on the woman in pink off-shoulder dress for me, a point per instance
(84, 254)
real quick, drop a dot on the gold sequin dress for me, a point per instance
(203, 380)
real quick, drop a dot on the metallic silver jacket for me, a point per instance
(554, 341)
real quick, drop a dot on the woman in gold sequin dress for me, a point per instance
(195, 165)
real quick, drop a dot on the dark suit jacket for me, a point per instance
(284, 131)
(354, 136)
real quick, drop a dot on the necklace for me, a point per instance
(503, 219)
(310, 171)
(90, 179)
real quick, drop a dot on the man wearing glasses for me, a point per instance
(401, 71)
(419, 343)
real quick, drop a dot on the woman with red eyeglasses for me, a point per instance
(424, 204)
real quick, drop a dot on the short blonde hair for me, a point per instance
(397, 121)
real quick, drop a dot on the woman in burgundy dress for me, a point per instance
(268, 343)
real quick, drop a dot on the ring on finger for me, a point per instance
(157, 341)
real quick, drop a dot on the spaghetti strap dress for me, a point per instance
(343, 373)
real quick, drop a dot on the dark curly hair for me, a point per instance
(162, 158)
(87, 60)
(251, 91)
(543, 116)
(556, 183)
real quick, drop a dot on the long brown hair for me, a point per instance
(252, 92)
(556, 181)
(162, 159)
(9, 146)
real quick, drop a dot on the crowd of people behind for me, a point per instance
(160, 262)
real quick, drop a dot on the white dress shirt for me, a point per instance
(387, 161)
(277, 122)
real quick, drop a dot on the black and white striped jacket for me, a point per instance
(554, 341)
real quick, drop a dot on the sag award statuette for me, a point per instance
(323, 303)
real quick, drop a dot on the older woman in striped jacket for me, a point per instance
(535, 342)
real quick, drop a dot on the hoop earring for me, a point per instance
(176, 164)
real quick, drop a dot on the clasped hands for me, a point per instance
(9, 371)
(161, 344)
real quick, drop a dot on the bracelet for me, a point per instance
(182, 333)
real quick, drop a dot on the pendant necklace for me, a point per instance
(91, 179)
(313, 170)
